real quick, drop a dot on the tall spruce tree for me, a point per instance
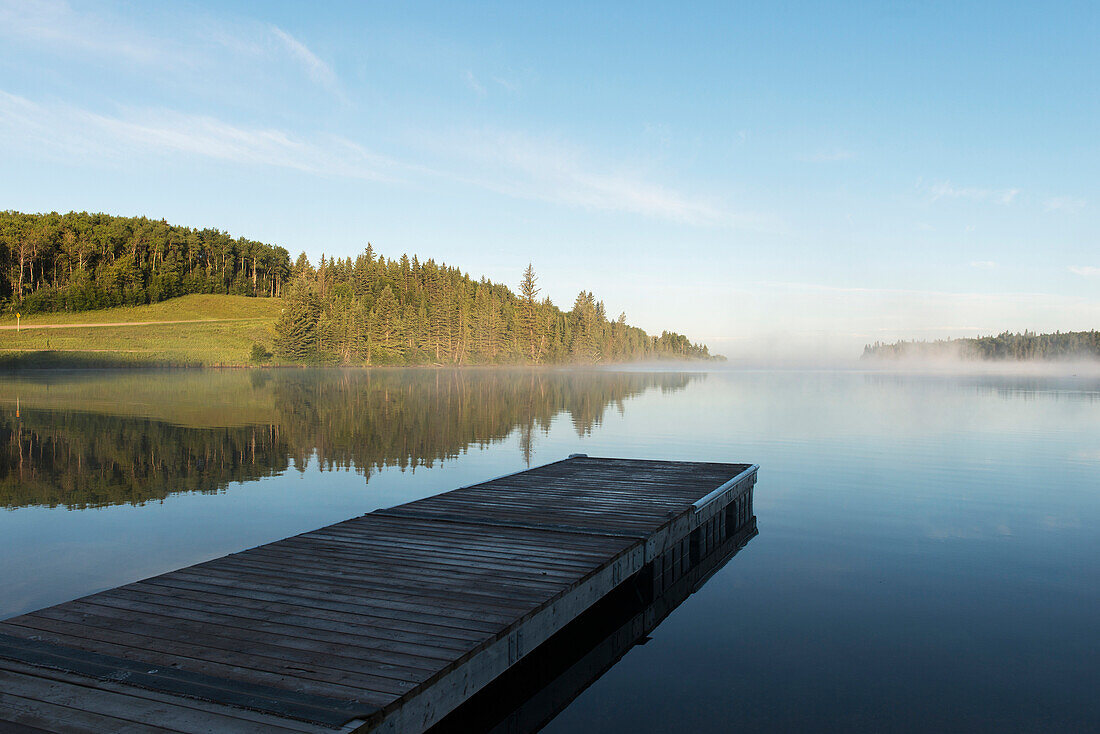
(528, 314)
(296, 327)
(385, 326)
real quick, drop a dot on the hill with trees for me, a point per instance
(369, 310)
(80, 261)
(402, 311)
(1006, 346)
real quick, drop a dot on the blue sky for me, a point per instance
(767, 177)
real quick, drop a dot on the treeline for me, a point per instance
(1005, 346)
(361, 420)
(376, 311)
(368, 311)
(80, 261)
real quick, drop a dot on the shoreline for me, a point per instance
(52, 360)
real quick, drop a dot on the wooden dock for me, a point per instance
(387, 622)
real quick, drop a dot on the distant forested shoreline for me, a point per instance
(369, 310)
(1005, 346)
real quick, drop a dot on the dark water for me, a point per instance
(928, 555)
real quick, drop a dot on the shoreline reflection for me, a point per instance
(98, 439)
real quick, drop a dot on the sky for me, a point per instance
(774, 179)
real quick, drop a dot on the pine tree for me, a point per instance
(528, 314)
(296, 327)
(584, 347)
(302, 269)
(385, 326)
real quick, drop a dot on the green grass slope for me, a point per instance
(202, 330)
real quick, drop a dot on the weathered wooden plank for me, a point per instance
(347, 639)
(130, 710)
(394, 600)
(243, 640)
(457, 557)
(432, 539)
(37, 712)
(262, 613)
(209, 661)
(519, 584)
(269, 721)
(265, 593)
(564, 548)
(424, 531)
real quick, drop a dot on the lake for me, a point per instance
(928, 555)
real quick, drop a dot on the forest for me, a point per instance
(80, 262)
(376, 311)
(369, 310)
(1004, 346)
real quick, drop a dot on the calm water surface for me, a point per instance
(928, 555)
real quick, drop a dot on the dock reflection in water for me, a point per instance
(548, 679)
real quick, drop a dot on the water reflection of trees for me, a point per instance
(83, 460)
(107, 452)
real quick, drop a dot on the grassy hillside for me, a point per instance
(219, 331)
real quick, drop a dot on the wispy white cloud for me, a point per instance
(473, 83)
(482, 88)
(200, 49)
(55, 24)
(78, 134)
(1089, 271)
(318, 70)
(947, 190)
(556, 171)
(511, 164)
(1067, 204)
(983, 264)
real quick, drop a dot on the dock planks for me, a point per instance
(385, 622)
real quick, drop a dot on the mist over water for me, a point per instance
(927, 555)
(1054, 368)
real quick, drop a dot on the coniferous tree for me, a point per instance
(528, 314)
(584, 347)
(296, 328)
(385, 331)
